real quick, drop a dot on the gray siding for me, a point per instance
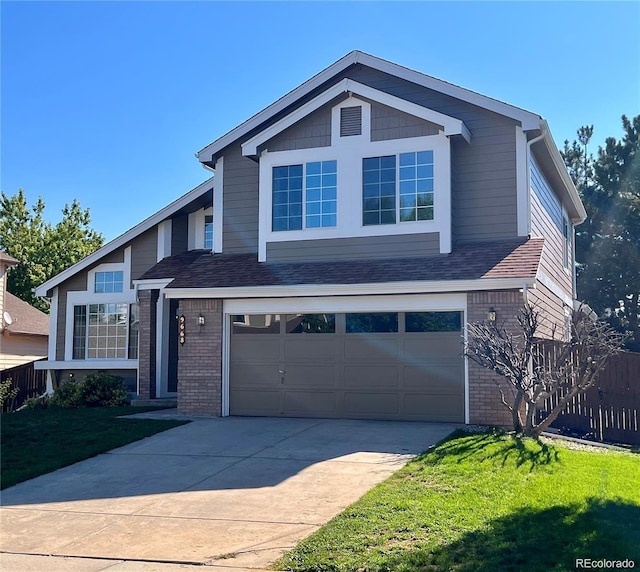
(144, 252)
(552, 308)
(483, 172)
(546, 221)
(388, 123)
(357, 248)
(240, 195)
(312, 131)
(179, 234)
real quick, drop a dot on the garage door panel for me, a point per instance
(310, 402)
(254, 402)
(434, 406)
(371, 403)
(371, 376)
(254, 375)
(438, 375)
(315, 348)
(255, 348)
(312, 375)
(375, 348)
(418, 346)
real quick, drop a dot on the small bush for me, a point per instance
(7, 395)
(103, 389)
(41, 402)
(67, 395)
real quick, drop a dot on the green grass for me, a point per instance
(35, 442)
(486, 503)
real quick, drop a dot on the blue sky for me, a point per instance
(107, 102)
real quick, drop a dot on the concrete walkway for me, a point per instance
(230, 493)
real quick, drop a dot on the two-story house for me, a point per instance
(328, 268)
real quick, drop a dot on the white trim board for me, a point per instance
(116, 243)
(88, 364)
(322, 290)
(450, 125)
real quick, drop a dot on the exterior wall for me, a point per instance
(552, 309)
(485, 406)
(200, 359)
(312, 131)
(240, 196)
(388, 123)
(17, 349)
(144, 252)
(404, 245)
(179, 234)
(483, 171)
(147, 344)
(75, 283)
(546, 221)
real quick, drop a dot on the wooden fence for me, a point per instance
(609, 411)
(29, 381)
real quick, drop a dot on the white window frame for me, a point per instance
(196, 229)
(349, 197)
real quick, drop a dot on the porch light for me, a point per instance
(491, 315)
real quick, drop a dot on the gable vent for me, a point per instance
(350, 121)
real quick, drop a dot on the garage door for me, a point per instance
(391, 365)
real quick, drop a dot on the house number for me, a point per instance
(181, 329)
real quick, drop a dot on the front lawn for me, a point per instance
(486, 503)
(35, 442)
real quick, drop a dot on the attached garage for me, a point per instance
(361, 365)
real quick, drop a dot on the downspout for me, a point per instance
(540, 137)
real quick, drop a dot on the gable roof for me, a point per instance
(26, 319)
(162, 214)
(528, 120)
(507, 259)
(7, 259)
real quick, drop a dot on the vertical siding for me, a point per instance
(240, 196)
(179, 234)
(312, 131)
(144, 252)
(546, 221)
(388, 123)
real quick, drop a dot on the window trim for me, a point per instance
(349, 199)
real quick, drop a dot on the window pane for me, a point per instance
(287, 198)
(108, 282)
(208, 231)
(108, 326)
(382, 170)
(79, 332)
(416, 179)
(257, 324)
(134, 322)
(372, 323)
(321, 180)
(433, 321)
(311, 324)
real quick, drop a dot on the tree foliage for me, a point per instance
(608, 242)
(530, 375)
(42, 249)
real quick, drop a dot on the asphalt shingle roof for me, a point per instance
(25, 318)
(201, 269)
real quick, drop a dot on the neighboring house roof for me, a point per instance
(7, 260)
(26, 319)
(518, 258)
(174, 207)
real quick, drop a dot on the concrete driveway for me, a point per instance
(232, 492)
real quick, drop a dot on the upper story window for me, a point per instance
(380, 191)
(108, 282)
(310, 188)
(208, 231)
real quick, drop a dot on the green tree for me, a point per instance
(608, 242)
(42, 249)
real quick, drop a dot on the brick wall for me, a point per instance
(147, 344)
(485, 406)
(200, 359)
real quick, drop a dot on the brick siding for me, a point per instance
(147, 344)
(200, 359)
